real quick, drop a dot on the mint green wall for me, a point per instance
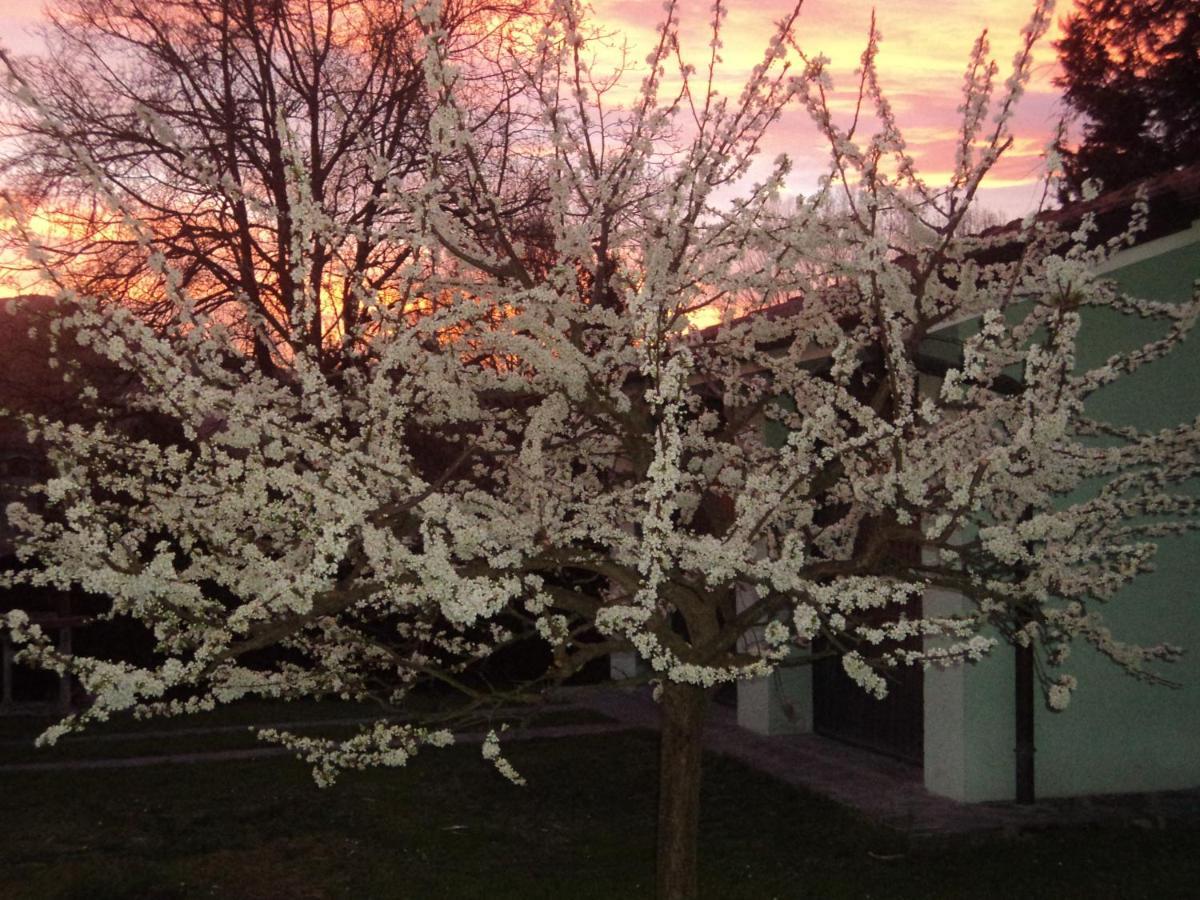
(1167, 276)
(1118, 734)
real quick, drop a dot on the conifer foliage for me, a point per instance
(1131, 72)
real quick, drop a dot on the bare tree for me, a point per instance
(199, 128)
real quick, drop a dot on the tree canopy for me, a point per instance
(557, 450)
(211, 125)
(1131, 72)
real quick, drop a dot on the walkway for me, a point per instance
(886, 790)
(251, 753)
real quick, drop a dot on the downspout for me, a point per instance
(1024, 723)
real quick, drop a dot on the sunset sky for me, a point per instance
(922, 58)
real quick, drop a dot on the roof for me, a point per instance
(1174, 199)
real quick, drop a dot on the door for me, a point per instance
(894, 725)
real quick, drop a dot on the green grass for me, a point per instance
(450, 827)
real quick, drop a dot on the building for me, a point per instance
(31, 381)
(1119, 735)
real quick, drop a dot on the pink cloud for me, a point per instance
(921, 61)
(17, 20)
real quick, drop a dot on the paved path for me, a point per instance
(206, 756)
(293, 725)
(886, 790)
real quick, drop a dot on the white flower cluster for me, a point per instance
(491, 752)
(864, 675)
(667, 414)
(383, 744)
(1058, 695)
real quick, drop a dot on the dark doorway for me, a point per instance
(894, 725)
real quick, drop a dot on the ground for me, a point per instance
(450, 827)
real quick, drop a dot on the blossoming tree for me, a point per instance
(671, 416)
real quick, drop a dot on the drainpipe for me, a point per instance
(1024, 723)
(1023, 682)
(6, 673)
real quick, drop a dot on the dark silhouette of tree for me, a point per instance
(1131, 70)
(212, 122)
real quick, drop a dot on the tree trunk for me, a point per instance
(683, 710)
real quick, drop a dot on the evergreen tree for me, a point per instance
(1131, 69)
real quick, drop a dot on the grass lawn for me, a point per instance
(450, 827)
